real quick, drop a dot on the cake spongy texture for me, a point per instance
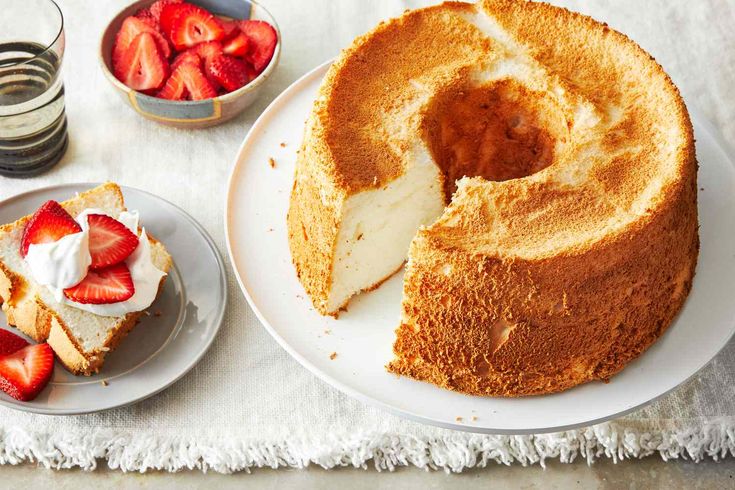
(81, 340)
(533, 279)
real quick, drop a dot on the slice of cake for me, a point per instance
(79, 274)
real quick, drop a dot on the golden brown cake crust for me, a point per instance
(535, 284)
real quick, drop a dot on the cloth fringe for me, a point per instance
(453, 452)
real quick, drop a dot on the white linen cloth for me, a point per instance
(247, 403)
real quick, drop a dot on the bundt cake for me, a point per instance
(541, 167)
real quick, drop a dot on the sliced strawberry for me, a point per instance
(48, 224)
(209, 51)
(170, 12)
(157, 7)
(231, 28)
(229, 72)
(130, 29)
(239, 45)
(142, 67)
(110, 242)
(103, 286)
(263, 38)
(146, 16)
(193, 26)
(188, 82)
(9, 342)
(188, 56)
(26, 372)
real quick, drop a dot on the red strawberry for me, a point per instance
(9, 342)
(193, 26)
(169, 14)
(110, 242)
(102, 286)
(146, 16)
(158, 6)
(231, 28)
(229, 72)
(142, 67)
(24, 373)
(263, 38)
(239, 45)
(48, 224)
(188, 56)
(188, 82)
(130, 29)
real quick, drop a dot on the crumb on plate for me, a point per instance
(333, 356)
(272, 162)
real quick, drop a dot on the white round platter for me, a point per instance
(362, 338)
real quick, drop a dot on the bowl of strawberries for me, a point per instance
(190, 63)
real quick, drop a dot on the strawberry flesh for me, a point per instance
(188, 82)
(9, 342)
(157, 8)
(263, 38)
(48, 224)
(142, 67)
(26, 372)
(103, 286)
(110, 242)
(169, 14)
(188, 56)
(194, 25)
(130, 29)
(229, 72)
(239, 45)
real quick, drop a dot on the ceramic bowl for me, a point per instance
(199, 113)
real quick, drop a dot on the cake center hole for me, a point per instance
(498, 132)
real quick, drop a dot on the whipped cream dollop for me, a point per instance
(64, 263)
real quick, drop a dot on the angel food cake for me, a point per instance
(79, 274)
(534, 167)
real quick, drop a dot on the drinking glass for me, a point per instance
(33, 135)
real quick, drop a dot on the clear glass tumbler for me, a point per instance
(33, 135)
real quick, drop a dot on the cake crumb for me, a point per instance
(474, 418)
(283, 145)
(270, 229)
(327, 331)
(459, 419)
(272, 162)
(333, 356)
(104, 383)
(359, 237)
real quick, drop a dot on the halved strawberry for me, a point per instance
(188, 56)
(146, 16)
(9, 342)
(231, 28)
(239, 45)
(102, 286)
(110, 242)
(195, 25)
(263, 38)
(48, 224)
(229, 72)
(26, 372)
(157, 7)
(130, 29)
(188, 82)
(169, 13)
(142, 67)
